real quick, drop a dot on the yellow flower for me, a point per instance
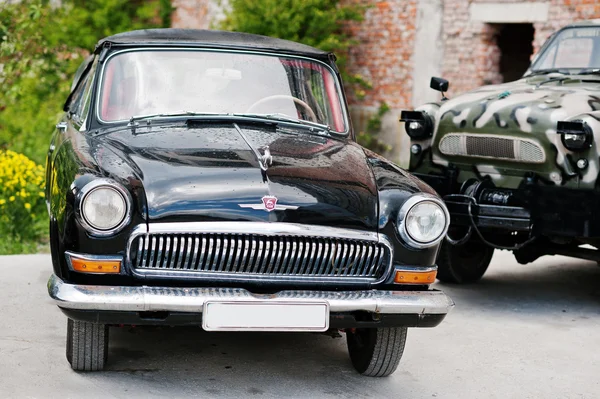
(2, 201)
(11, 198)
(27, 206)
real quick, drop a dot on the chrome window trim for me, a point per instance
(87, 189)
(273, 229)
(338, 86)
(407, 206)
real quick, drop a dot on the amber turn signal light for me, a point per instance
(96, 266)
(415, 277)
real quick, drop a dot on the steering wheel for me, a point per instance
(311, 114)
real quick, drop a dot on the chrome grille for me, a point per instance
(488, 146)
(256, 255)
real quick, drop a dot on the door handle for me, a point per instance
(62, 127)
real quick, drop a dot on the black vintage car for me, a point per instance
(211, 178)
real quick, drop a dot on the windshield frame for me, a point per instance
(334, 74)
(538, 58)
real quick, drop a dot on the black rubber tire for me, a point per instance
(87, 345)
(376, 352)
(465, 263)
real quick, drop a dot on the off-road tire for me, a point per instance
(87, 345)
(463, 264)
(376, 352)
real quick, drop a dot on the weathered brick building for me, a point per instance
(405, 42)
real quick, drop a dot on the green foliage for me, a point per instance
(41, 46)
(317, 23)
(368, 137)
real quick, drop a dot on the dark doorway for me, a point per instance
(515, 42)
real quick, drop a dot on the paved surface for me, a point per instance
(523, 332)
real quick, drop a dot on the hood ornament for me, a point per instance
(269, 203)
(265, 160)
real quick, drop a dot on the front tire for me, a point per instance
(87, 345)
(376, 352)
(463, 264)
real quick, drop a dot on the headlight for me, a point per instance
(423, 221)
(103, 207)
(418, 124)
(575, 135)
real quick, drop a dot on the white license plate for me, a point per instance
(265, 316)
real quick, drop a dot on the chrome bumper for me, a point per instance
(179, 299)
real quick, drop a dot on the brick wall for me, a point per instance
(383, 55)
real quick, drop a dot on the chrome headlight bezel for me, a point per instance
(90, 188)
(408, 205)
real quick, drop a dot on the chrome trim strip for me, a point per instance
(253, 255)
(262, 228)
(181, 299)
(407, 206)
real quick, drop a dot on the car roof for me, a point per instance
(589, 22)
(210, 39)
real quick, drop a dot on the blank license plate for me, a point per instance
(265, 316)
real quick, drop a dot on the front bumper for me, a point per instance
(76, 300)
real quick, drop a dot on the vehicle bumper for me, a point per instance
(126, 304)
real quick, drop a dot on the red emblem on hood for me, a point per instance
(269, 202)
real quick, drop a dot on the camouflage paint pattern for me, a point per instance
(526, 109)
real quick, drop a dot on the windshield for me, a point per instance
(573, 48)
(137, 83)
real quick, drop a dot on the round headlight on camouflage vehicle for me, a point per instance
(418, 124)
(423, 221)
(103, 207)
(575, 135)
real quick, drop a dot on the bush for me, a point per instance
(23, 215)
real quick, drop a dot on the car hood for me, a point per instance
(528, 106)
(211, 172)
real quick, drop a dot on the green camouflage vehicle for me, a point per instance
(517, 163)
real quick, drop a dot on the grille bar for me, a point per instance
(252, 254)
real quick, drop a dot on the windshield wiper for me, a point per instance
(136, 118)
(273, 118)
(286, 118)
(595, 71)
(548, 71)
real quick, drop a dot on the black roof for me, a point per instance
(212, 39)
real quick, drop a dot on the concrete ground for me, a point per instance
(523, 332)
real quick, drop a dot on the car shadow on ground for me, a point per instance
(188, 359)
(232, 364)
(550, 284)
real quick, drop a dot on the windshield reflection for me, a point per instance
(162, 82)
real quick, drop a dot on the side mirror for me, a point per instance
(439, 84)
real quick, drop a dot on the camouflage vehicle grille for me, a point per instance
(509, 148)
